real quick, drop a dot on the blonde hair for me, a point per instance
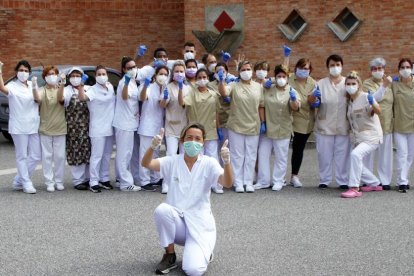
(353, 75)
(176, 64)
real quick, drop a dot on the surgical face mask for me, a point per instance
(191, 72)
(192, 148)
(179, 76)
(189, 55)
(302, 73)
(281, 82)
(335, 71)
(75, 81)
(162, 79)
(51, 79)
(202, 83)
(23, 76)
(102, 79)
(261, 74)
(132, 73)
(351, 89)
(378, 74)
(212, 67)
(246, 75)
(405, 72)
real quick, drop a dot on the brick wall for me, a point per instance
(386, 31)
(87, 32)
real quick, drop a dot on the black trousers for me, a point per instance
(298, 146)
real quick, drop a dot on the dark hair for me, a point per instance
(25, 63)
(124, 61)
(302, 62)
(201, 71)
(159, 50)
(280, 68)
(195, 125)
(261, 64)
(47, 69)
(222, 64)
(334, 57)
(205, 56)
(162, 67)
(242, 63)
(405, 60)
(189, 44)
(99, 67)
(191, 60)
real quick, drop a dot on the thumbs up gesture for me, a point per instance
(225, 153)
(157, 139)
(34, 82)
(370, 98)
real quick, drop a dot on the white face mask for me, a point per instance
(75, 81)
(189, 55)
(51, 79)
(351, 89)
(162, 79)
(246, 75)
(281, 82)
(23, 76)
(102, 79)
(132, 73)
(335, 71)
(212, 67)
(202, 83)
(378, 74)
(405, 72)
(261, 74)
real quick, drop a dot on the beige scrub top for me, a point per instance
(304, 119)
(175, 114)
(52, 113)
(224, 110)
(386, 116)
(403, 106)
(279, 117)
(244, 107)
(202, 108)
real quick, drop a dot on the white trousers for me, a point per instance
(80, 174)
(28, 154)
(405, 155)
(333, 149)
(135, 163)
(211, 148)
(281, 150)
(116, 167)
(243, 152)
(384, 157)
(53, 158)
(173, 144)
(358, 172)
(124, 148)
(171, 228)
(146, 176)
(99, 162)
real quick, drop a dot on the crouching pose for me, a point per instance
(186, 219)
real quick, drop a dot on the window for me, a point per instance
(344, 24)
(293, 26)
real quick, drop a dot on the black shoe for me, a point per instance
(408, 187)
(95, 189)
(386, 187)
(323, 186)
(167, 264)
(402, 188)
(148, 188)
(343, 187)
(158, 183)
(106, 185)
(83, 186)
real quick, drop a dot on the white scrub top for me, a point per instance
(189, 192)
(24, 111)
(127, 111)
(152, 114)
(101, 106)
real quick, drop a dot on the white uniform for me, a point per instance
(151, 121)
(23, 126)
(332, 133)
(101, 106)
(186, 217)
(126, 121)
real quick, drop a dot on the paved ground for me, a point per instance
(292, 232)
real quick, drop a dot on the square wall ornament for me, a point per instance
(293, 25)
(344, 24)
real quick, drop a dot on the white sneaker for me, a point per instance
(276, 187)
(259, 186)
(240, 189)
(218, 189)
(296, 182)
(29, 190)
(164, 190)
(50, 188)
(131, 188)
(117, 184)
(249, 189)
(60, 187)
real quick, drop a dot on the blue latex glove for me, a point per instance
(237, 80)
(165, 93)
(292, 95)
(220, 134)
(286, 50)
(225, 56)
(220, 74)
(158, 63)
(127, 79)
(180, 84)
(141, 50)
(147, 81)
(84, 78)
(263, 128)
(370, 98)
(317, 93)
(316, 104)
(268, 83)
(227, 99)
(395, 78)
